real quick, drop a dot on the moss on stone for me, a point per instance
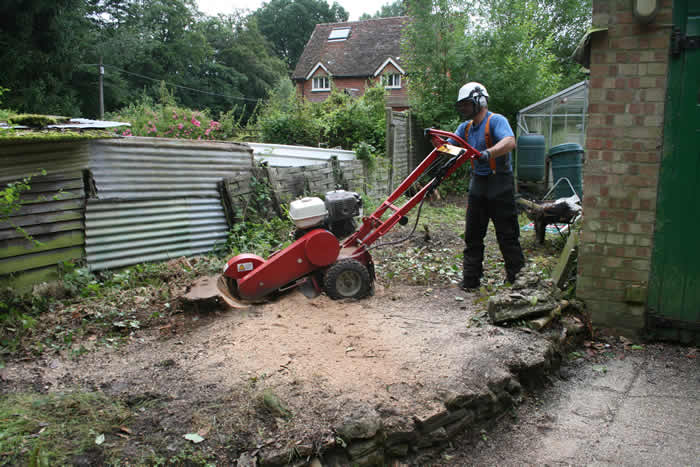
(36, 120)
(36, 136)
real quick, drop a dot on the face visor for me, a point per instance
(467, 108)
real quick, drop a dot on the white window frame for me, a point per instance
(317, 83)
(391, 80)
(339, 34)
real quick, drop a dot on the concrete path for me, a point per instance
(641, 409)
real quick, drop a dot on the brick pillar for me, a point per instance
(629, 66)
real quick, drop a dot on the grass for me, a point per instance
(50, 429)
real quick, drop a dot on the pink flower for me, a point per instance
(195, 122)
(206, 132)
(179, 126)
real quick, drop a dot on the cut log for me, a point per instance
(540, 323)
(530, 205)
(508, 308)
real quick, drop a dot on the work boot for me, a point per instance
(511, 278)
(469, 285)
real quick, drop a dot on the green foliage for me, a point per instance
(433, 51)
(285, 119)
(365, 152)
(2, 91)
(396, 8)
(261, 237)
(349, 121)
(339, 121)
(518, 49)
(215, 63)
(513, 62)
(288, 24)
(10, 202)
(50, 429)
(40, 53)
(559, 24)
(18, 318)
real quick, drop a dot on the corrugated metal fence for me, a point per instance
(123, 201)
(158, 199)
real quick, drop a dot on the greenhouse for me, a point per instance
(552, 127)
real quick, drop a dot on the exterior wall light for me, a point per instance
(645, 10)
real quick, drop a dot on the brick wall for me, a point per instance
(623, 154)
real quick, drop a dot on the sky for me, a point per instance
(354, 7)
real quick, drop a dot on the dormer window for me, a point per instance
(321, 83)
(392, 80)
(339, 34)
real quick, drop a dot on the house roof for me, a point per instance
(369, 44)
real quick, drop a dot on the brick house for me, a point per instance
(353, 56)
(638, 269)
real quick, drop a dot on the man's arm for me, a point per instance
(503, 147)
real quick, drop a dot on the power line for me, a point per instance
(177, 85)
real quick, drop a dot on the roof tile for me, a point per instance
(370, 43)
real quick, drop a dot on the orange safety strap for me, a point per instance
(487, 136)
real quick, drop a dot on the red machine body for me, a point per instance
(319, 252)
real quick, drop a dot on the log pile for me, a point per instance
(560, 211)
(529, 301)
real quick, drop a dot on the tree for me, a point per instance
(517, 69)
(242, 65)
(39, 51)
(396, 8)
(503, 44)
(559, 23)
(288, 24)
(433, 52)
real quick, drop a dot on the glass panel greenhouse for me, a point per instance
(561, 118)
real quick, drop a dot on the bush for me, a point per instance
(168, 120)
(339, 121)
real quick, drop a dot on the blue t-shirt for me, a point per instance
(499, 129)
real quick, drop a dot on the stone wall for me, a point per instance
(629, 65)
(292, 182)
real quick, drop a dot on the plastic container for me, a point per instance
(530, 160)
(567, 162)
(307, 212)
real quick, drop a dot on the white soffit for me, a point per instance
(313, 70)
(386, 62)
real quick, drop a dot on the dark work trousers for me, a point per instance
(491, 197)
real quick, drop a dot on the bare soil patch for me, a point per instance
(400, 352)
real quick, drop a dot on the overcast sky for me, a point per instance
(354, 7)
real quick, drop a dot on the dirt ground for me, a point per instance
(399, 351)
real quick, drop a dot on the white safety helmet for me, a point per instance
(474, 92)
